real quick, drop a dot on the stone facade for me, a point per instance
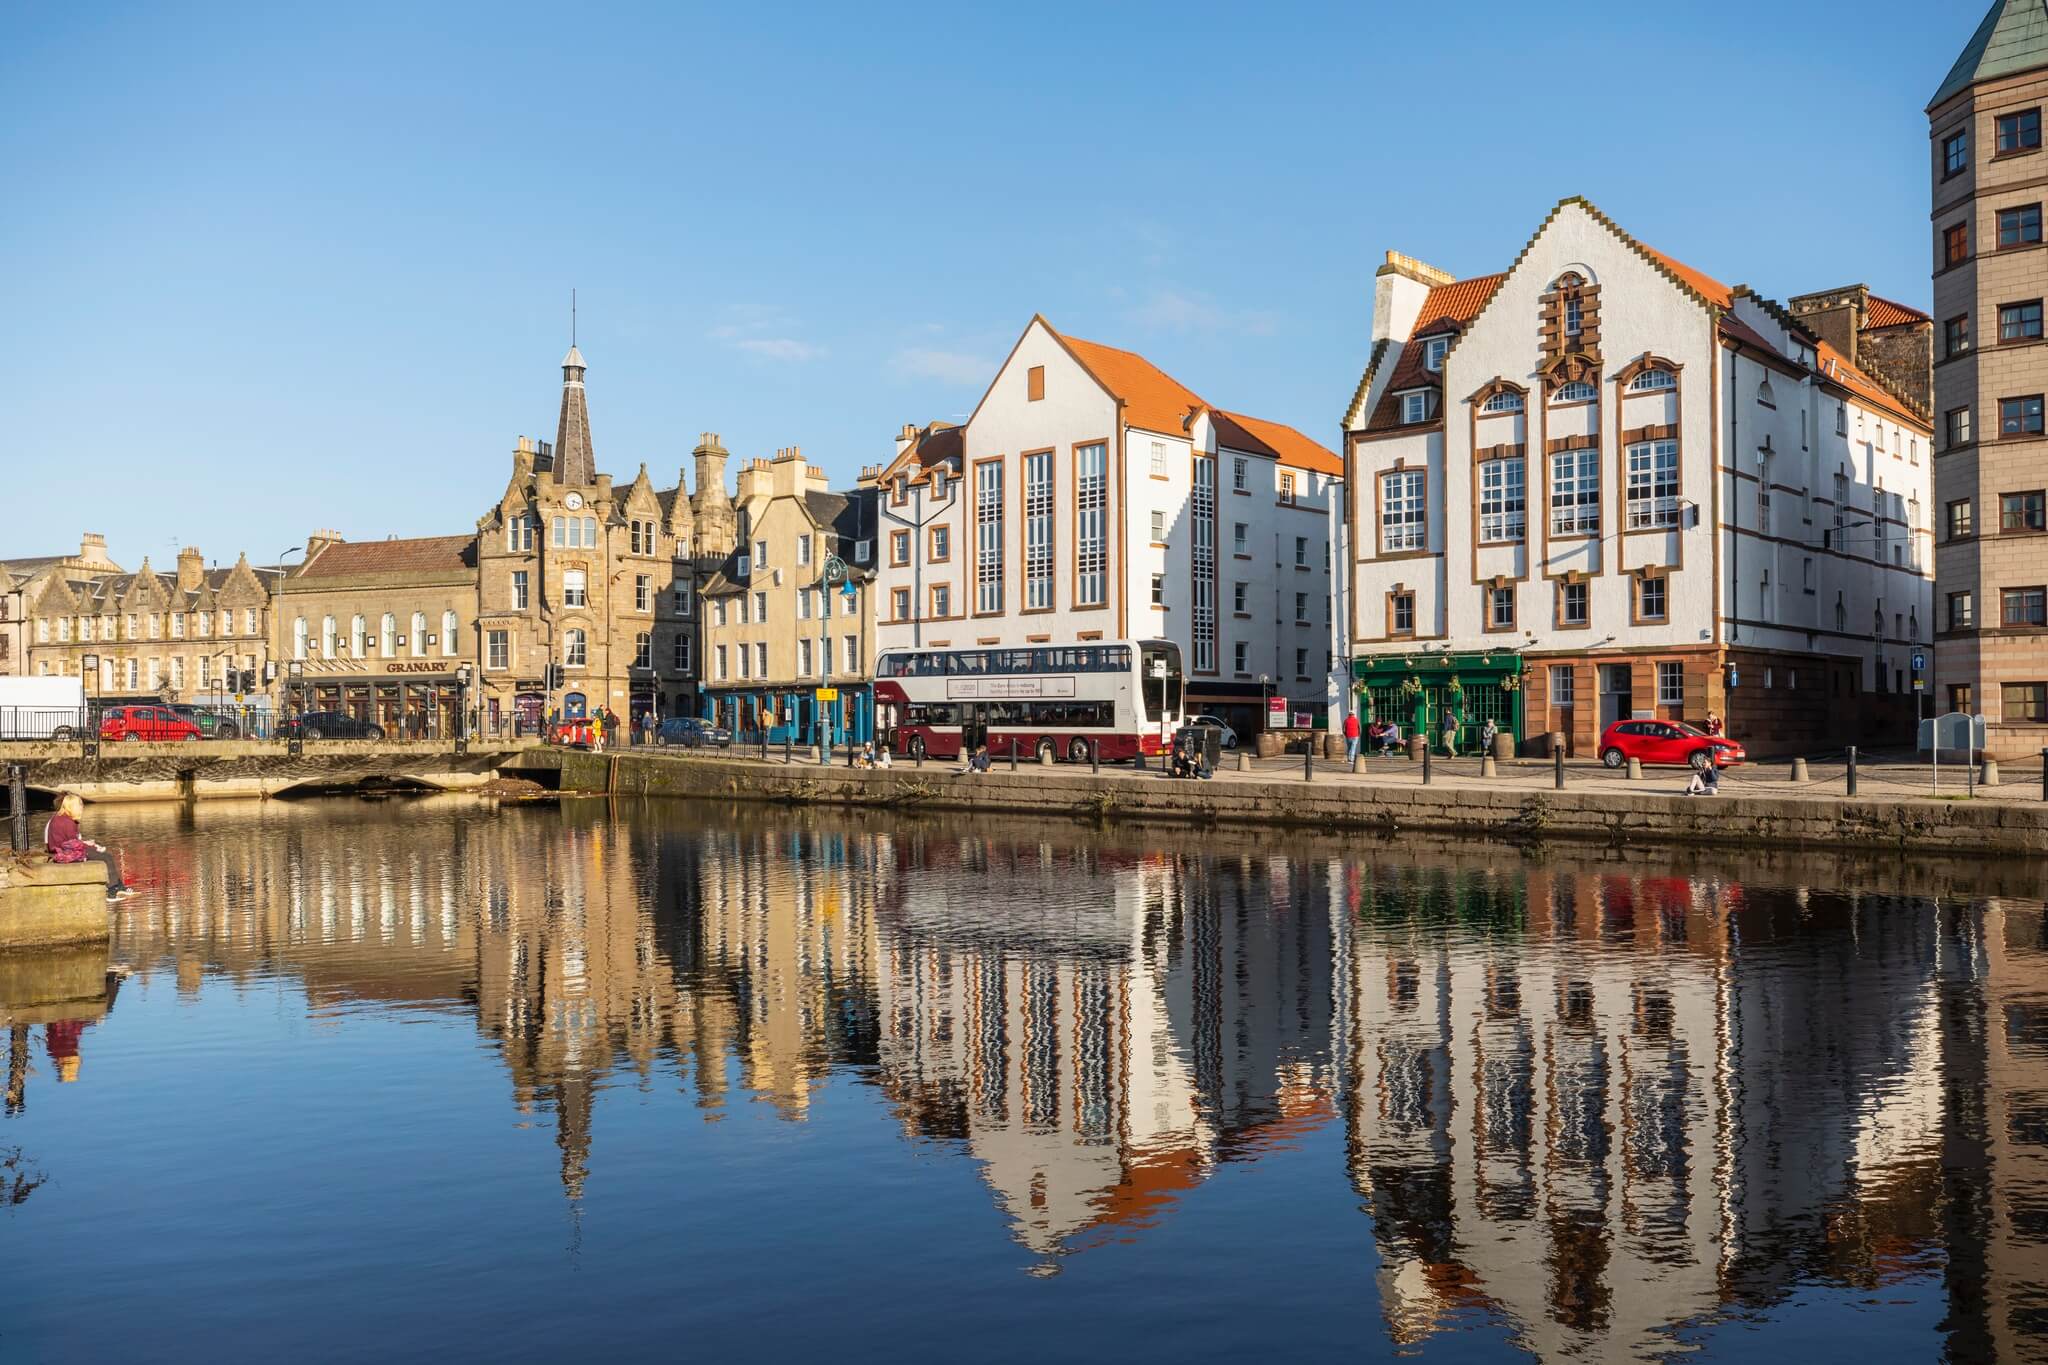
(1891, 342)
(378, 630)
(173, 636)
(1603, 484)
(1986, 160)
(776, 630)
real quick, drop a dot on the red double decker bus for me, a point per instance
(1113, 699)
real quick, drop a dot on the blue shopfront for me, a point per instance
(840, 714)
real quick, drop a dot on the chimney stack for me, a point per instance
(317, 542)
(191, 569)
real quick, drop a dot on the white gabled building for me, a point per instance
(1603, 484)
(1092, 496)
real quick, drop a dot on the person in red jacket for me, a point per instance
(66, 845)
(1351, 736)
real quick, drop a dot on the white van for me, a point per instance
(42, 708)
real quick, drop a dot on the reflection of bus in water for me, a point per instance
(1114, 699)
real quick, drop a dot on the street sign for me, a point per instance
(828, 694)
(1919, 661)
(1276, 710)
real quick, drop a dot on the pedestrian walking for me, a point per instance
(1351, 737)
(1451, 736)
(1486, 736)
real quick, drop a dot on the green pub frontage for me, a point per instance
(1417, 690)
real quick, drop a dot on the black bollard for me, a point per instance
(1852, 770)
(1425, 763)
(785, 751)
(1308, 762)
(1557, 765)
(1095, 759)
(1013, 755)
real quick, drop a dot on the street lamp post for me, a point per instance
(462, 677)
(295, 739)
(89, 730)
(831, 573)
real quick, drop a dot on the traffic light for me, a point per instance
(556, 677)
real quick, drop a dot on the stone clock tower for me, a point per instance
(577, 573)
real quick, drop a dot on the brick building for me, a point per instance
(1603, 485)
(1986, 163)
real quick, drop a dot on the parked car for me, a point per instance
(153, 724)
(328, 725)
(575, 732)
(1226, 736)
(688, 732)
(1666, 741)
(212, 724)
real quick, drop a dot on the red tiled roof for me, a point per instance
(426, 554)
(1835, 366)
(1884, 313)
(1700, 282)
(1458, 302)
(1153, 399)
(1277, 439)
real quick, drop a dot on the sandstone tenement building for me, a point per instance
(1987, 166)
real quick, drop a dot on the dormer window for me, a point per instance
(1433, 351)
(1502, 400)
(1414, 408)
(1653, 381)
(1577, 391)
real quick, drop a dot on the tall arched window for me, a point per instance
(327, 629)
(419, 633)
(575, 648)
(299, 638)
(388, 636)
(358, 637)
(449, 630)
(643, 650)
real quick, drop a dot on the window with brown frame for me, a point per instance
(1955, 244)
(2024, 702)
(2019, 321)
(2019, 226)
(1573, 608)
(939, 542)
(1652, 602)
(2022, 511)
(899, 547)
(1500, 607)
(2019, 131)
(1401, 613)
(1955, 335)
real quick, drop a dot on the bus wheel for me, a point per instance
(1047, 751)
(917, 747)
(1077, 751)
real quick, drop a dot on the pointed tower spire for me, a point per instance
(574, 463)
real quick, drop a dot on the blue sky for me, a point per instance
(269, 269)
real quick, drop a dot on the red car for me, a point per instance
(1666, 741)
(154, 723)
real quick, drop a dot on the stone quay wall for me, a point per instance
(1334, 803)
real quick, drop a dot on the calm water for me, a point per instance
(429, 1081)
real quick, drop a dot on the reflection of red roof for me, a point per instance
(1884, 313)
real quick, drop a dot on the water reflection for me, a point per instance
(1601, 1107)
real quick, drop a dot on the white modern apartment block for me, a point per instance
(1603, 484)
(1092, 496)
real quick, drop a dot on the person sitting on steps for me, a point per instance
(1705, 781)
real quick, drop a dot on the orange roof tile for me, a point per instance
(427, 554)
(1281, 441)
(1884, 313)
(1701, 283)
(1153, 399)
(1835, 366)
(1458, 302)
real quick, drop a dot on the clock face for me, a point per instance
(573, 502)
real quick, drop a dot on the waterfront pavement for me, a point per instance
(1895, 776)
